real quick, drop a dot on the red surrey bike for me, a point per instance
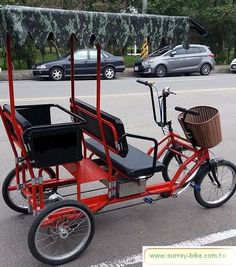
(92, 146)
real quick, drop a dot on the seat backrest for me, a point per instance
(113, 127)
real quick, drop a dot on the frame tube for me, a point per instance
(98, 105)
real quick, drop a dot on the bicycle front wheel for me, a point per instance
(172, 162)
(213, 193)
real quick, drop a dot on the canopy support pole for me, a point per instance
(16, 127)
(10, 78)
(72, 70)
(98, 105)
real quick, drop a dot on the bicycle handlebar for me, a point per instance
(184, 110)
(165, 92)
(143, 82)
(162, 105)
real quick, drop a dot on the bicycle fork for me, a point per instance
(213, 174)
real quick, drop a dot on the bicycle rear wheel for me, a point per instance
(61, 232)
(213, 194)
(13, 197)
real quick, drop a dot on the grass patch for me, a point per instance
(130, 60)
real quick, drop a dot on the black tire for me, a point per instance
(173, 161)
(224, 193)
(161, 71)
(205, 69)
(12, 202)
(61, 230)
(56, 74)
(109, 73)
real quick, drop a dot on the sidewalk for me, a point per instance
(27, 74)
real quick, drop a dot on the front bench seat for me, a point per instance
(135, 164)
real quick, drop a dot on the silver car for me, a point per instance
(197, 58)
(233, 66)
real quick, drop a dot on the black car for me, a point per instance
(85, 65)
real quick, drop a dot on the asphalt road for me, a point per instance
(121, 234)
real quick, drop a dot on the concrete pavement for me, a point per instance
(120, 235)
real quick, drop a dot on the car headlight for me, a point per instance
(147, 62)
(41, 67)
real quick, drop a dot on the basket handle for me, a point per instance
(187, 131)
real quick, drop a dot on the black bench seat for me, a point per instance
(135, 164)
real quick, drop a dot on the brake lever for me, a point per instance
(166, 92)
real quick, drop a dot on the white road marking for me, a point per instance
(135, 259)
(208, 239)
(48, 99)
(181, 80)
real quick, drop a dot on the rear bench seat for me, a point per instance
(129, 160)
(47, 143)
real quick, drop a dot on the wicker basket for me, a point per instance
(202, 130)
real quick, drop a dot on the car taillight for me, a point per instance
(211, 55)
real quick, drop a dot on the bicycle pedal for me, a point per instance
(148, 200)
(54, 197)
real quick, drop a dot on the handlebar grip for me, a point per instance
(180, 109)
(142, 82)
(193, 112)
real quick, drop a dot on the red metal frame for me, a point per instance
(86, 170)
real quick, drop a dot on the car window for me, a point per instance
(180, 51)
(168, 53)
(106, 55)
(193, 50)
(159, 52)
(203, 50)
(83, 54)
(93, 55)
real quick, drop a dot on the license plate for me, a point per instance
(135, 68)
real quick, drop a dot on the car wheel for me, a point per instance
(161, 71)
(109, 73)
(205, 69)
(56, 74)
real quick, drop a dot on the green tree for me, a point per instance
(218, 16)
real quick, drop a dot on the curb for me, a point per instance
(28, 75)
(18, 75)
